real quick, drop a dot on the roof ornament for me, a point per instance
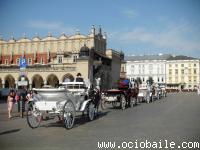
(100, 32)
(93, 30)
(36, 34)
(11, 56)
(49, 34)
(105, 35)
(35, 56)
(77, 32)
(24, 35)
(12, 37)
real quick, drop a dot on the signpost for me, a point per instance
(23, 83)
(23, 63)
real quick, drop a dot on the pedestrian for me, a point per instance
(17, 100)
(10, 101)
(198, 90)
(23, 100)
(29, 96)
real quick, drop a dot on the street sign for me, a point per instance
(23, 63)
(22, 83)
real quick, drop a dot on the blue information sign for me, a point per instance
(23, 63)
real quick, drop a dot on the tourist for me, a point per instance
(198, 90)
(10, 101)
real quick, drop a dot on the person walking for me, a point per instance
(198, 90)
(10, 101)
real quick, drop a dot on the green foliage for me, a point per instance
(150, 80)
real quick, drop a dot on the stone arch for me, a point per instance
(9, 81)
(68, 78)
(52, 80)
(37, 81)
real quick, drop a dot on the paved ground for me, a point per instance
(175, 118)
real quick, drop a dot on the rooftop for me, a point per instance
(148, 57)
(181, 57)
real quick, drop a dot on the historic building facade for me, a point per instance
(183, 72)
(146, 66)
(179, 72)
(51, 60)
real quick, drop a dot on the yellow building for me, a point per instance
(182, 72)
(52, 60)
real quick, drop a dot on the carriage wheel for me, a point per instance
(91, 111)
(158, 96)
(123, 102)
(132, 102)
(34, 116)
(69, 114)
(148, 99)
(103, 104)
(114, 104)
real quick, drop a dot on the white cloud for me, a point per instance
(129, 13)
(180, 37)
(51, 26)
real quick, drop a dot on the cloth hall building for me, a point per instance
(52, 60)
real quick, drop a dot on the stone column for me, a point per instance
(30, 85)
(3, 83)
(16, 84)
(45, 82)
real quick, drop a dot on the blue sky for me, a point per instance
(134, 26)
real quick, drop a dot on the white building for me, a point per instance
(146, 66)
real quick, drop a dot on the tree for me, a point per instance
(139, 80)
(150, 80)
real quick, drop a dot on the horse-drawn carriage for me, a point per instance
(63, 103)
(125, 95)
(145, 94)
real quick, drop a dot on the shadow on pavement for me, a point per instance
(10, 131)
(79, 120)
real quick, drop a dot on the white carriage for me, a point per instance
(62, 102)
(145, 94)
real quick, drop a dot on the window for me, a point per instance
(189, 71)
(29, 61)
(17, 61)
(182, 71)
(195, 71)
(143, 79)
(189, 78)
(41, 60)
(182, 78)
(150, 68)
(60, 59)
(162, 79)
(176, 65)
(182, 65)
(74, 58)
(195, 65)
(158, 80)
(132, 69)
(176, 79)
(170, 71)
(176, 71)
(6, 61)
(123, 70)
(170, 65)
(195, 79)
